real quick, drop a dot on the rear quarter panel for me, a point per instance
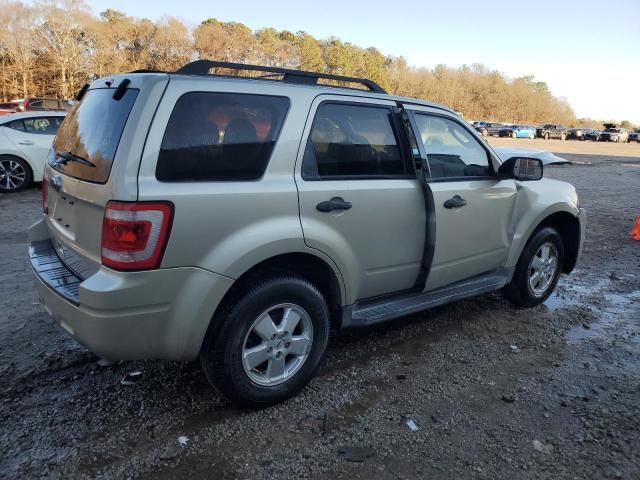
(229, 227)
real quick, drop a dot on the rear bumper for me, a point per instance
(126, 316)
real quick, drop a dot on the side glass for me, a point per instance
(452, 152)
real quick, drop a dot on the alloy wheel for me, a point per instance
(543, 268)
(277, 344)
(12, 174)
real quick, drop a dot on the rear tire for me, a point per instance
(527, 290)
(15, 174)
(255, 329)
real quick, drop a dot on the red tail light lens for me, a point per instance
(134, 235)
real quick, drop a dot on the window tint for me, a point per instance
(220, 137)
(451, 150)
(92, 130)
(16, 125)
(352, 141)
(42, 125)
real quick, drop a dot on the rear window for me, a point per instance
(92, 130)
(220, 137)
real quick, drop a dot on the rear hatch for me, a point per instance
(94, 159)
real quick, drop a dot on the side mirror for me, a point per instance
(522, 168)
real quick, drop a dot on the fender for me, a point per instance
(535, 202)
(239, 252)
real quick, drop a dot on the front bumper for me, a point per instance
(153, 314)
(582, 218)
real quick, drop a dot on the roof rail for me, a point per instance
(202, 67)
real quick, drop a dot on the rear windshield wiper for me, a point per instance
(68, 156)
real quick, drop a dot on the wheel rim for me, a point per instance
(277, 344)
(543, 268)
(12, 174)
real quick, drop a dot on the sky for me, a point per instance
(586, 50)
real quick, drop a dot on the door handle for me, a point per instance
(336, 203)
(26, 142)
(456, 202)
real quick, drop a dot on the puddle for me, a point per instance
(569, 293)
(618, 309)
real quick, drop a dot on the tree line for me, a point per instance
(54, 47)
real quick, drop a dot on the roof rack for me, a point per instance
(203, 67)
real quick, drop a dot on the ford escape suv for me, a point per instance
(238, 220)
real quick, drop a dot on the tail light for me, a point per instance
(134, 235)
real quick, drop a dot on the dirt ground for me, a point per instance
(493, 392)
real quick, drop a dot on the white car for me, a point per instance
(25, 141)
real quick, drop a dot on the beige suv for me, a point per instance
(240, 219)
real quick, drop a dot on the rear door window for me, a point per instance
(42, 125)
(215, 136)
(353, 141)
(92, 130)
(16, 125)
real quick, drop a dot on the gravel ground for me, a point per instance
(493, 392)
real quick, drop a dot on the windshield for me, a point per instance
(92, 131)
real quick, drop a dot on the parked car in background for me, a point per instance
(580, 133)
(614, 134)
(42, 104)
(25, 141)
(592, 135)
(9, 107)
(518, 131)
(489, 128)
(133, 262)
(552, 130)
(634, 136)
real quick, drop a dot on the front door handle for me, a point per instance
(336, 203)
(456, 202)
(26, 142)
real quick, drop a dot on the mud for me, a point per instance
(564, 403)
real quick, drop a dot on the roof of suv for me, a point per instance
(296, 79)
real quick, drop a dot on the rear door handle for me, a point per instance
(456, 202)
(26, 142)
(336, 203)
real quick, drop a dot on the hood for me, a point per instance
(547, 158)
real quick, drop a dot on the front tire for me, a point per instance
(538, 269)
(15, 174)
(265, 347)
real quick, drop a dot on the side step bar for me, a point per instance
(370, 312)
